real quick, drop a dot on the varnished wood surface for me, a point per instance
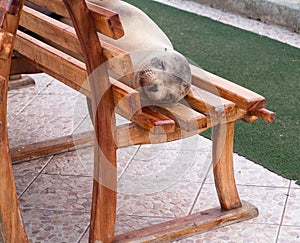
(242, 97)
(131, 134)
(185, 117)
(104, 202)
(223, 168)
(51, 147)
(6, 41)
(64, 36)
(266, 115)
(209, 104)
(11, 223)
(184, 227)
(107, 22)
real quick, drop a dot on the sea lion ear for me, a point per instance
(158, 63)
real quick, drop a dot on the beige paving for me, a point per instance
(55, 192)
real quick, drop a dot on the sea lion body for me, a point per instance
(162, 73)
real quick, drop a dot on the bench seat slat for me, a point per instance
(131, 134)
(107, 22)
(242, 97)
(209, 104)
(185, 117)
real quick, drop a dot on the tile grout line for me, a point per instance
(80, 123)
(31, 101)
(283, 212)
(199, 191)
(35, 178)
(128, 163)
(83, 234)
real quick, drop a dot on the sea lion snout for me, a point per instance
(165, 77)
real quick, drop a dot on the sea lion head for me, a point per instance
(164, 77)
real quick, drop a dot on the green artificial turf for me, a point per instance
(265, 66)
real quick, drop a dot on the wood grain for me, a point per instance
(185, 117)
(184, 227)
(6, 41)
(131, 134)
(266, 115)
(209, 104)
(223, 137)
(107, 22)
(104, 202)
(11, 223)
(242, 97)
(22, 65)
(51, 147)
(2, 89)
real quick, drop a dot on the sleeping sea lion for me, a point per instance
(162, 73)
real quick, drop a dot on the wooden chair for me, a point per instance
(44, 43)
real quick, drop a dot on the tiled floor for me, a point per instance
(55, 192)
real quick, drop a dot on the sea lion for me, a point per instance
(162, 73)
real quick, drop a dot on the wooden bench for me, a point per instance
(211, 103)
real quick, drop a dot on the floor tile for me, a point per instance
(294, 185)
(200, 169)
(74, 163)
(68, 193)
(24, 131)
(58, 88)
(81, 162)
(154, 170)
(85, 238)
(270, 201)
(173, 201)
(23, 181)
(262, 198)
(248, 173)
(161, 164)
(84, 126)
(47, 117)
(17, 102)
(35, 165)
(292, 213)
(289, 234)
(26, 172)
(52, 105)
(240, 232)
(54, 226)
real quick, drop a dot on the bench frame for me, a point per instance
(147, 122)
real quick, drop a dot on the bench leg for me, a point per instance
(223, 136)
(104, 202)
(11, 223)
